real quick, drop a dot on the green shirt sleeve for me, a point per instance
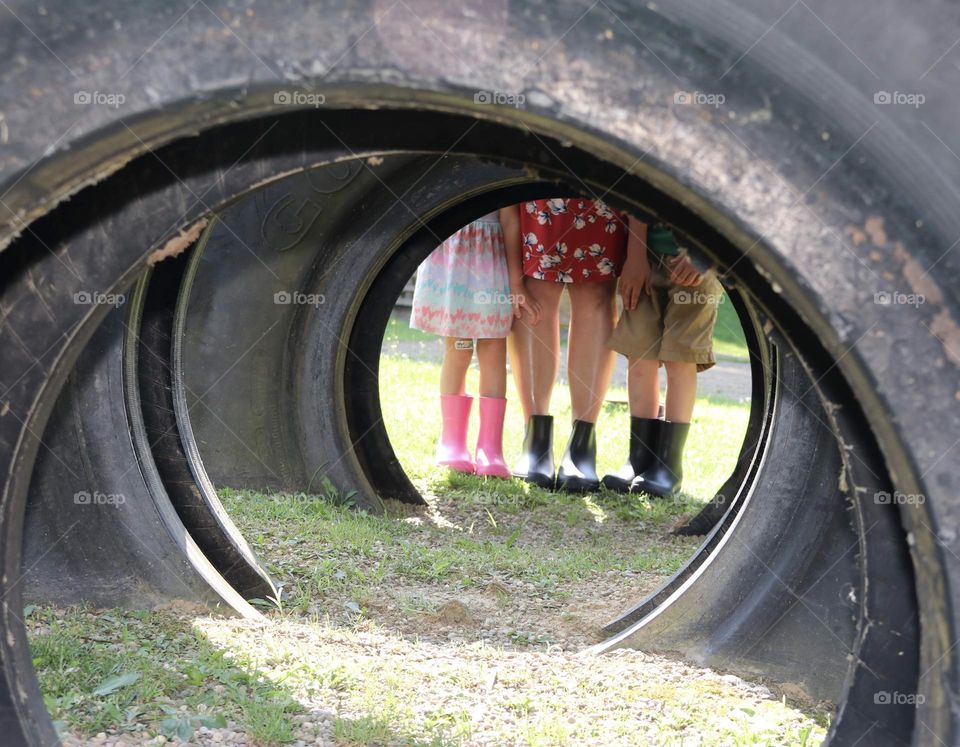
(660, 240)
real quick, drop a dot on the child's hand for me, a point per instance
(523, 302)
(682, 272)
(634, 279)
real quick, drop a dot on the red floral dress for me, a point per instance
(572, 240)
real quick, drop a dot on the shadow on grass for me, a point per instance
(141, 674)
(339, 563)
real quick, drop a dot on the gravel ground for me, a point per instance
(577, 687)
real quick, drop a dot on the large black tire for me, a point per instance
(94, 492)
(778, 589)
(263, 422)
(151, 347)
(800, 186)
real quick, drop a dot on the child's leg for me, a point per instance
(453, 372)
(638, 337)
(663, 478)
(593, 315)
(681, 391)
(643, 387)
(643, 392)
(590, 363)
(492, 357)
(535, 359)
(687, 345)
(535, 350)
(455, 407)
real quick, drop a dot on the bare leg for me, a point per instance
(593, 313)
(535, 350)
(681, 390)
(453, 372)
(643, 388)
(492, 356)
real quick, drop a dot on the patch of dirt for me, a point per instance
(510, 612)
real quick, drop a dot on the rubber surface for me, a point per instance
(787, 588)
(92, 494)
(268, 279)
(154, 344)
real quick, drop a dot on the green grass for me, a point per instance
(335, 551)
(377, 730)
(335, 555)
(412, 418)
(399, 330)
(148, 673)
(333, 640)
(729, 342)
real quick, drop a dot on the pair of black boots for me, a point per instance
(655, 460)
(654, 464)
(578, 468)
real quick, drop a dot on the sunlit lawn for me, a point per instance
(409, 393)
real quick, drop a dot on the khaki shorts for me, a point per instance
(675, 323)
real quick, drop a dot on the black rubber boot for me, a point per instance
(536, 462)
(640, 457)
(578, 469)
(663, 479)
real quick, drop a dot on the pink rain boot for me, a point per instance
(490, 440)
(452, 448)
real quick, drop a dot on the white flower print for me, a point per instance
(544, 218)
(579, 253)
(564, 277)
(611, 226)
(596, 250)
(549, 260)
(539, 275)
(557, 205)
(561, 249)
(531, 207)
(602, 210)
(529, 239)
(586, 272)
(578, 221)
(605, 266)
